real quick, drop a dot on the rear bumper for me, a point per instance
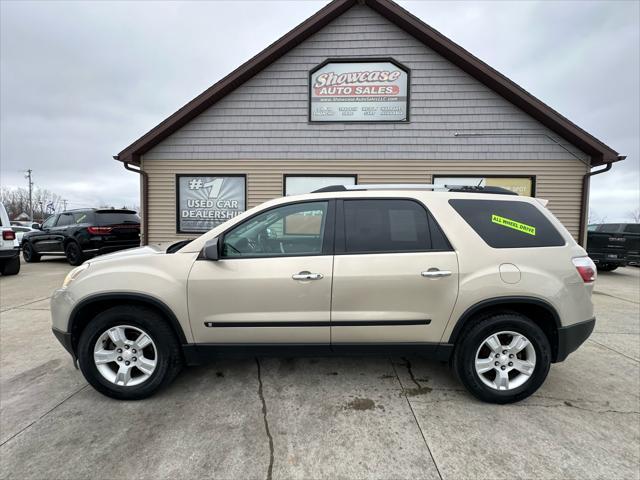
(604, 257)
(101, 248)
(572, 336)
(9, 253)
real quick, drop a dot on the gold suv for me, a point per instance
(479, 277)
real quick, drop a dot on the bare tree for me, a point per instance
(635, 215)
(16, 201)
(594, 217)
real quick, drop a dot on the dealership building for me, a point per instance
(361, 92)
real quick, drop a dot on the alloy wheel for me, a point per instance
(505, 360)
(125, 355)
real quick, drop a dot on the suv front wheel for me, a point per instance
(503, 358)
(128, 353)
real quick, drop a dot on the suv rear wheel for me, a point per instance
(129, 353)
(74, 254)
(503, 359)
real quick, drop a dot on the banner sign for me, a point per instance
(359, 92)
(205, 202)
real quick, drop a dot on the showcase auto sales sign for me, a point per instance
(359, 92)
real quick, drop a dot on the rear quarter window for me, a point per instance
(508, 224)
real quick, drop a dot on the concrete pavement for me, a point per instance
(317, 418)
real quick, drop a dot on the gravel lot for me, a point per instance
(317, 418)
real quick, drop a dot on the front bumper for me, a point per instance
(572, 336)
(65, 339)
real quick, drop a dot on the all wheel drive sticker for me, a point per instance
(507, 222)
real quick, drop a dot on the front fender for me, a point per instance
(158, 279)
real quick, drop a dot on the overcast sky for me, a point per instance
(82, 80)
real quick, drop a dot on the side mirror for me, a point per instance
(37, 226)
(211, 250)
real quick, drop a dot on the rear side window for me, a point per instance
(116, 218)
(83, 217)
(65, 220)
(632, 228)
(507, 224)
(388, 226)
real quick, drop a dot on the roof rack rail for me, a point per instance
(416, 186)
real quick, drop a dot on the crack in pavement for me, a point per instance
(413, 378)
(616, 333)
(596, 292)
(613, 350)
(410, 370)
(266, 422)
(565, 404)
(43, 415)
(24, 304)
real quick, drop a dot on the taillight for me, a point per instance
(8, 235)
(586, 268)
(99, 230)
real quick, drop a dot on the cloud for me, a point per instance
(81, 80)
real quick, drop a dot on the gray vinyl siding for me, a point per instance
(262, 129)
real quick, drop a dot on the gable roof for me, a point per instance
(599, 152)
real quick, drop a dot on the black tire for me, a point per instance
(74, 254)
(169, 355)
(473, 338)
(606, 267)
(29, 253)
(11, 266)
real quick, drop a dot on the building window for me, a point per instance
(524, 186)
(299, 184)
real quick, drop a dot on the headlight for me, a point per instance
(73, 274)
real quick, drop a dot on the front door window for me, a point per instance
(291, 230)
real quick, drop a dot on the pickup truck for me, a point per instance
(613, 245)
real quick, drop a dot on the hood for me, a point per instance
(132, 252)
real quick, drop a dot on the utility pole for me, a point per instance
(28, 176)
(64, 203)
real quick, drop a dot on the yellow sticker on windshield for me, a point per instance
(507, 222)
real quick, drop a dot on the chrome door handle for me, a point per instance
(307, 276)
(435, 273)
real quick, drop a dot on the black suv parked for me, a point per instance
(613, 245)
(79, 234)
